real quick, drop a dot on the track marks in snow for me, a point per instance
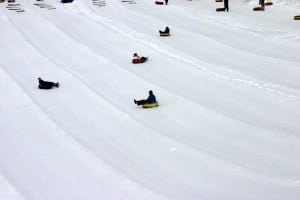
(82, 42)
(115, 184)
(227, 42)
(124, 111)
(169, 146)
(8, 191)
(287, 100)
(104, 146)
(169, 51)
(86, 85)
(235, 23)
(133, 35)
(117, 108)
(173, 144)
(248, 28)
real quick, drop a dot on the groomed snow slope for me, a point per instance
(228, 86)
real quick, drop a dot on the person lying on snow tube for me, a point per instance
(46, 84)
(166, 32)
(149, 102)
(137, 59)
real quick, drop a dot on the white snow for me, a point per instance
(228, 86)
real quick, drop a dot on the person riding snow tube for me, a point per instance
(149, 102)
(137, 59)
(47, 84)
(166, 32)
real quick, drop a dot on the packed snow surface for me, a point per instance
(228, 86)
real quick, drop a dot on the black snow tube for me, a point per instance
(45, 87)
(66, 1)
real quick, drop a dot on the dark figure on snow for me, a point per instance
(151, 99)
(66, 1)
(46, 84)
(167, 30)
(226, 5)
(136, 56)
(262, 4)
(166, 1)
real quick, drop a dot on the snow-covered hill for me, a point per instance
(228, 86)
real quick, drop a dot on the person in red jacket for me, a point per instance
(142, 58)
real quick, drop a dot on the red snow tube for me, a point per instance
(139, 60)
(220, 9)
(257, 9)
(45, 87)
(269, 3)
(159, 2)
(219, 0)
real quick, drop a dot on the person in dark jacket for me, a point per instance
(151, 99)
(47, 84)
(167, 30)
(262, 4)
(226, 5)
(136, 56)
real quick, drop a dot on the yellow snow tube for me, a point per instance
(1, 1)
(297, 17)
(164, 34)
(150, 105)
